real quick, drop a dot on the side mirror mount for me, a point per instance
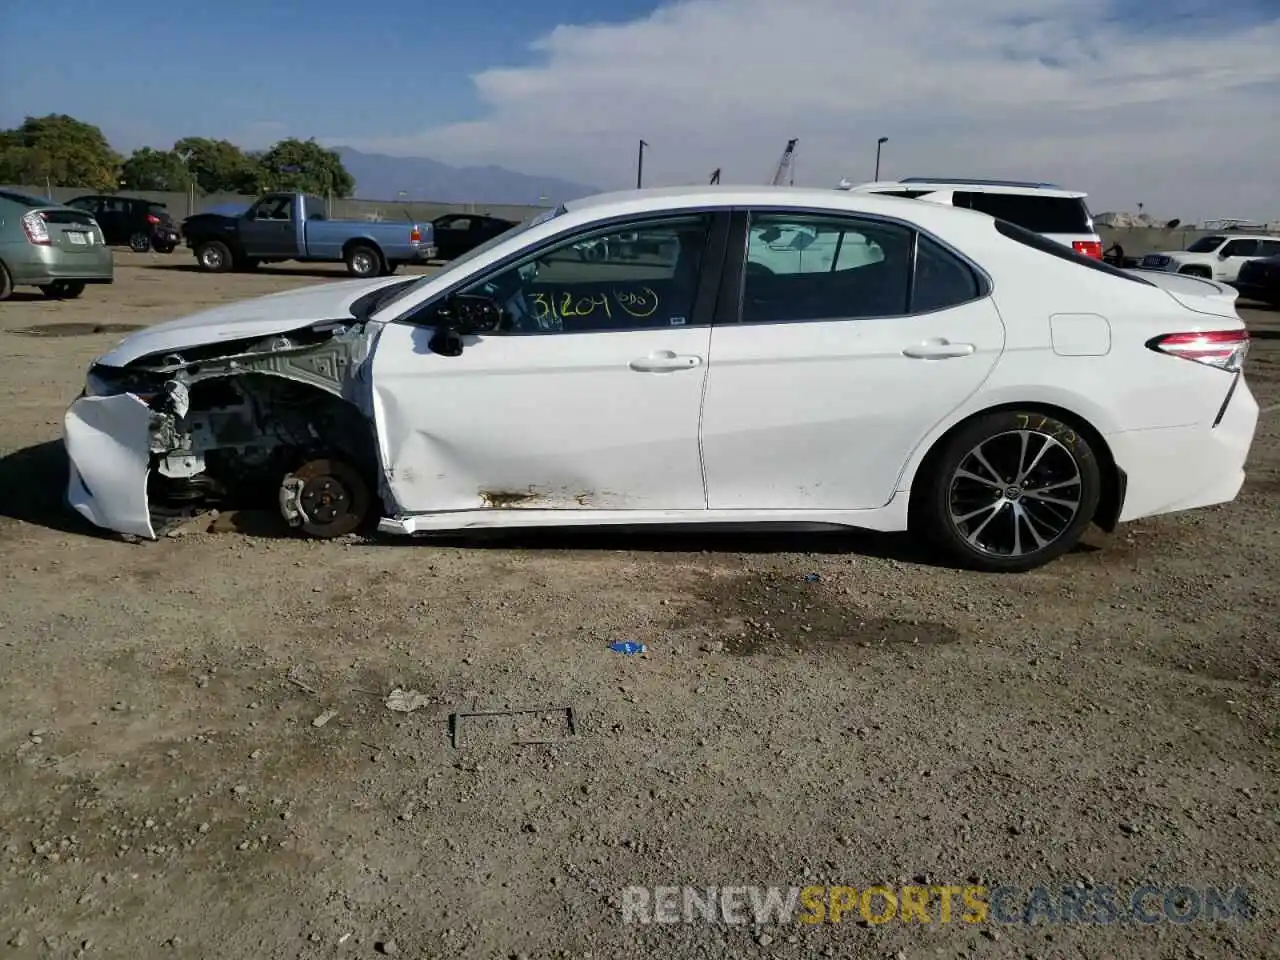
(464, 314)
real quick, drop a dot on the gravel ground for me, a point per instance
(828, 710)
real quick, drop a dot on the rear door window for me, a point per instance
(1037, 213)
(1242, 248)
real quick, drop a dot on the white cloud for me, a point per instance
(1040, 89)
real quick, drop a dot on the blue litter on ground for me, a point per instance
(628, 647)
(813, 578)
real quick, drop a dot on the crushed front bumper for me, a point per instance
(108, 441)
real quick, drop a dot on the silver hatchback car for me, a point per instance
(44, 244)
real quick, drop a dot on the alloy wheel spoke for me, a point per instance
(978, 455)
(970, 475)
(995, 512)
(1026, 471)
(1036, 495)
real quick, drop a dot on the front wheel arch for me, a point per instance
(1107, 514)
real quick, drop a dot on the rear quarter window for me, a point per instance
(1040, 214)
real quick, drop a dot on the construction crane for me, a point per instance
(786, 172)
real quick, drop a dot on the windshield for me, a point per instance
(537, 219)
(1206, 245)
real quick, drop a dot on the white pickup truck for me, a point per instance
(1215, 257)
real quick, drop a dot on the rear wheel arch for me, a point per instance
(1196, 270)
(1107, 514)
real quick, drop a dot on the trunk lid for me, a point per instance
(1195, 293)
(71, 231)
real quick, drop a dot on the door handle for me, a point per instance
(665, 361)
(939, 349)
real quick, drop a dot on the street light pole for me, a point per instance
(640, 166)
(879, 143)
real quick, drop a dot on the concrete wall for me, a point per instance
(182, 205)
(1136, 242)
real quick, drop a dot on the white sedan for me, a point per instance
(959, 376)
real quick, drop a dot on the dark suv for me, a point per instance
(140, 224)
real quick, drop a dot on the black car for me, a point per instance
(1260, 280)
(456, 233)
(141, 224)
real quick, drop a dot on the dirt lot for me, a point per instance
(811, 710)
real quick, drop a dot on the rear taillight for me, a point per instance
(1088, 248)
(36, 229)
(1225, 349)
(152, 219)
(415, 235)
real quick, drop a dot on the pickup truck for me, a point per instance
(293, 226)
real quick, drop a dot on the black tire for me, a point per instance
(6, 283)
(364, 261)
(390, 269)
(982, 524)
(164, 247)
(214, 256)
(63, 289)
(139, 242)
(1197, 271)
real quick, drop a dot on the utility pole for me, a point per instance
(640, 166)
(879, 143)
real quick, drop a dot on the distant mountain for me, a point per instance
(380, 177)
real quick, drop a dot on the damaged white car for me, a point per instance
(971, 380)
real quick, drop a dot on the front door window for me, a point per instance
(628, 278)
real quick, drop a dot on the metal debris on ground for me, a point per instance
(813, 578)
(406, 701)
(568, 717)
(324, 718)
(627, 647)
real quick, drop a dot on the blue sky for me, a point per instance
(155, 71)
(1170, 103)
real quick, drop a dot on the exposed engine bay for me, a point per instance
(274, 421)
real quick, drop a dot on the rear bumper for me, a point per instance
(47, 264)
(422, 252)
(1182, 468)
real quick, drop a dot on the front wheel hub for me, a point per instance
(326, 498)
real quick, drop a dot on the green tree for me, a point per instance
(306, 166)
(218, 166)
(149, 169)
(61, 149)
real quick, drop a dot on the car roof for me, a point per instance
(663, 198)
(971, 186)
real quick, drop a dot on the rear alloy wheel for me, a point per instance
(333, 497)
(364, 261)
(214, 256)
(139, 242)
(63, 289)
(1010, 492)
